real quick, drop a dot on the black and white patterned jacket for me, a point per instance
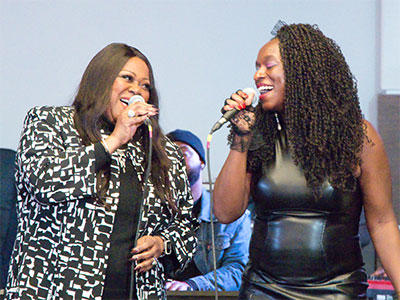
(63, 236)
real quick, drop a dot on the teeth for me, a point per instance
(124, 101)
(265, 88)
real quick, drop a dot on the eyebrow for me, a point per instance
(265, 58)
(186, 147)
(269, 57)
(133, 73)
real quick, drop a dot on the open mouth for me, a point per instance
(124, 101)
(265, 89)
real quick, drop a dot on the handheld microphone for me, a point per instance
(231, 113)
(135, 98)
(147, 122)
(138, 98)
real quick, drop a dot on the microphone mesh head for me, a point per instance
(135, 98)
(250, 91)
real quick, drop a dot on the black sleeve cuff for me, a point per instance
(102, 157)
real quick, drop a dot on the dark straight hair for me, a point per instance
(92, 100)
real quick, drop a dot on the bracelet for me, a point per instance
(167, 247)
(103, 142)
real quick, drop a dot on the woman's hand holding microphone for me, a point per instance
(137, 112)
(243, 121)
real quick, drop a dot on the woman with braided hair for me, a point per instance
(310, 162)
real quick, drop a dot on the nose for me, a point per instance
(259, 74)
(134, 89)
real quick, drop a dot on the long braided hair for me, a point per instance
(92, 100)
(322, 114)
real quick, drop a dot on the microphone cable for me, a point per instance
(145, 192)
(209, 137)
(225, 118)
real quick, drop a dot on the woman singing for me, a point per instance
(310, 162)
(84, 196)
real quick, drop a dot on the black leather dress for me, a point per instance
(302, 248)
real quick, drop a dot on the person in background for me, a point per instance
(231, 240)
(310, 162)
(85, 196)
(8, 216)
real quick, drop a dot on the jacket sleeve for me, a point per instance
(53, 166)
(230, 269)
(181, 230)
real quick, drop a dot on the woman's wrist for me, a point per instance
(166, 245)
(160, 242)
(105, 146)
(110, 144)
(240, 143)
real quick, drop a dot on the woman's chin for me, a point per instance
(269, 105)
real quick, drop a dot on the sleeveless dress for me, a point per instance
(301, 247)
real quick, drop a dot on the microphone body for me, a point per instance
(231, 113)
(225, 118)
(138, 98)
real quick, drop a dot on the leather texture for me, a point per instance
(303, 242)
